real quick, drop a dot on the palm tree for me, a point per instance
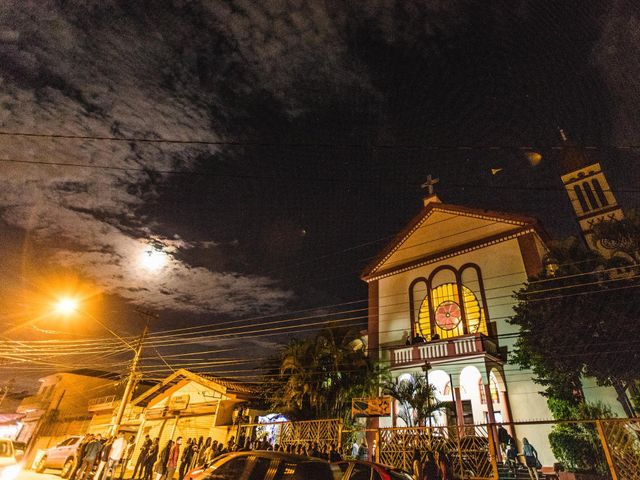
(416, 397)
(321, 374)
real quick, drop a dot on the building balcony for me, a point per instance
(108, 402)
(33, 403)
(442, 350)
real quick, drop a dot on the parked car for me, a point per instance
(361, 470)
(9, 466)
(266, 465)
(62, 456)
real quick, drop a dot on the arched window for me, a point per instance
(600, 193)
(493, 387)
(590, 196)
(581, 200)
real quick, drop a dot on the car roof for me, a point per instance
(271, 454)
(371, 464)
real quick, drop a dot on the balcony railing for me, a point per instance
(468, 345)
(102, 403)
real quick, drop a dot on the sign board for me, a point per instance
(179, 402)
(371, 407)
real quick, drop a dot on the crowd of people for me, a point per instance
(107, 458)
(105, 455)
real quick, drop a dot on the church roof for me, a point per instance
(504, 223)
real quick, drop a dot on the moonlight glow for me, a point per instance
(153, 260)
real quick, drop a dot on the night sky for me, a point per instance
(324, 116)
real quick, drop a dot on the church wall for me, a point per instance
(503, 272)
(607, 395)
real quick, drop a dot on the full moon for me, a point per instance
(153, 260)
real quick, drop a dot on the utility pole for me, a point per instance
(133, 372)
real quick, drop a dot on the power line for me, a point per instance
(246, 143)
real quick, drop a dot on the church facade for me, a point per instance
(440, 296)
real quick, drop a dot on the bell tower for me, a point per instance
(589, 192)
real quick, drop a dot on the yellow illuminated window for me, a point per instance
(448, 318)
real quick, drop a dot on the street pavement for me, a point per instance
(32, 475)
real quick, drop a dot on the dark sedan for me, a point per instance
(361, 470)
(266, 465)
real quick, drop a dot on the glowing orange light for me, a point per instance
(66, 305)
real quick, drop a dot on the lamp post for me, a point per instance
(68, 306)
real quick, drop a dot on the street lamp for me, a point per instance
(66, 305)
(69, 305)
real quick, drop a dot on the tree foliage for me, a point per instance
(416, 399)
(580, 320)
(577, 445)
(319, 375)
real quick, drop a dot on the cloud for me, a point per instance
(81, 72)
(164, 69)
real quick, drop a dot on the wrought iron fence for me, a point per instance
(621, 439)
(610, 446)
(294, 433)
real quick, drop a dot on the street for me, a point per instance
(32, 475)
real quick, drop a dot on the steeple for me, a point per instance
(589, 192)
(573, 157)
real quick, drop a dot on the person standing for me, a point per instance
(152, 456)
(91, 453)
(503, 439)
(174, 455)
(334, 455)
(354, 449)
(104, 458)
(160, 468)
(430, 469)
(116, 454)
(363, 452)
(187, 458)
(138, 470)
(530, 459)
(80, 455)
(128, 453)
(512, 456)
(416, 464)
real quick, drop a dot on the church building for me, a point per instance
(441, 294)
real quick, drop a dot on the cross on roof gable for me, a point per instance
(447, 229)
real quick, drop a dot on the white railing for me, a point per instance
(433, 350)
(402, 355)
(421, 352)
(466, 345)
